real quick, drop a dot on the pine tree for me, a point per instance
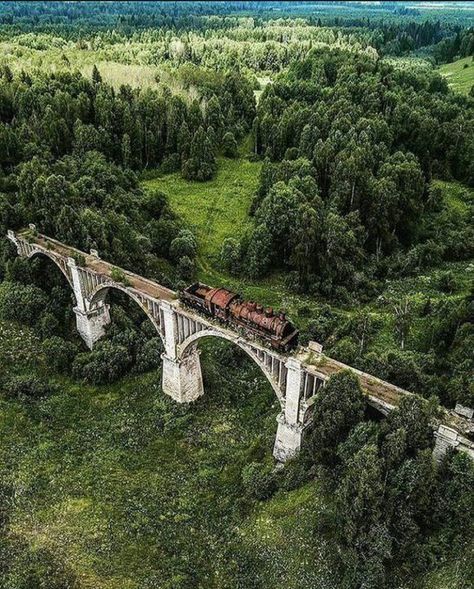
(96, 77)
(201, 164)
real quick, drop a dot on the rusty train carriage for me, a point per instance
(229, 307)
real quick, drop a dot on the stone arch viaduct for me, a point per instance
(295, 378)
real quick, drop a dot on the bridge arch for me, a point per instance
(189, 344)
(56, 261)
(98, 296)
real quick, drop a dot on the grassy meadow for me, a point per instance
(133, 491)
(459, 74)
(215, 209)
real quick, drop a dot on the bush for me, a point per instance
(22, 303)
(413, 415)
(455, 505)
(230, 255)
(183, 245)
(346, 351)
(149, 355)
(154, 203)
(185, 268)
(118, 275)
(59, 354)
(79, 258)
(402, 368)
(447, 282)
(170, 164)
(229, 145)
(105, 364)
(47, 325)
(27, 388)
(259, 480)
(321, 327)
(338, 408)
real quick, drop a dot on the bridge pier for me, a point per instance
(182, 378)
(290, 428)
(91, 324)
(288, 440)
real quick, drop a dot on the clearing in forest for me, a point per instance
(216, 209)
(459, 74)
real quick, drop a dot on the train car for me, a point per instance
(229, 307)
(210, 301)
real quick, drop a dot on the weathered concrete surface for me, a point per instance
(446, 438)
(288, 440)
(91, 324)
(182, 378)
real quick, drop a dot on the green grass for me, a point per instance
(128, 489)
(460, 78)
(219, 208)
(216, 209)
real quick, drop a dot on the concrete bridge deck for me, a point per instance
(100, 266)
(313, 368)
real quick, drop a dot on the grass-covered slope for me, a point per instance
(459, 74)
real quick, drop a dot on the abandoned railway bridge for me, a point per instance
(295, 377)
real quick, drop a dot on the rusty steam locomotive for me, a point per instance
(229, 307)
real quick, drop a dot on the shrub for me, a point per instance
(413, 415)
(22, 303)
(398, 367)
(149, 355)
(345, 350)
(154, 202)
(79, 258)
(47, 325)
(259, 480)
(455, 505)
(230, 255)
(170, 164)
(105, 364)
(447, 282)
(59, 353)
(185, 268)
(27, 388)
(183, 245)
(229, 145)
(320, 328)
(118, 275)
(338, 408)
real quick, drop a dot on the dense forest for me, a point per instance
(314, 157)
